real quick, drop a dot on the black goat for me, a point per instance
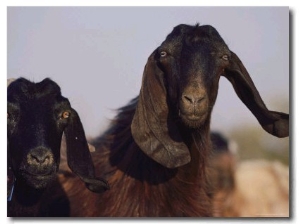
(37, 117)
(155, 153)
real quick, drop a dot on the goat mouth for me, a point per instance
(38, 181)
(193, 120)
(37, 176)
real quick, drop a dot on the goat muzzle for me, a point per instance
(193, 107)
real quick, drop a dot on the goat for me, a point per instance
(154, 154)
(37, 117)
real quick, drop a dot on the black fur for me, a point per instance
(37, 116)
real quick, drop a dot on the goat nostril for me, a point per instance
(198, 100)
(188, 98)
(192, 99)
(40, 159)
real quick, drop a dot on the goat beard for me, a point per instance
(37, 182)
(196, 123)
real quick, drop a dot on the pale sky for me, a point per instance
(97, 54)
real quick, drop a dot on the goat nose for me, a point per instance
(40, 157)
(192, 99)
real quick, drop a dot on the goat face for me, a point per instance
(181, 78)
(37, 117)
(36, 120)
(193, 60)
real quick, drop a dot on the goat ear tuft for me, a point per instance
(275, 123)
(152, 129)
(79, 157)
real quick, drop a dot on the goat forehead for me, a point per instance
(37, 102)
(32, 97)
(36, 108)
(23, 89)
(197, 61)
(204, 33)
(193, 36)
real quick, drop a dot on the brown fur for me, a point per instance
(135, 190)
(155, 154)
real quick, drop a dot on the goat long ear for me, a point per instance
(79, 158)
(275, 123)
(152, 129)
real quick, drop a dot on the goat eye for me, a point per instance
(225, 57)
(65, 115)
(163, 54)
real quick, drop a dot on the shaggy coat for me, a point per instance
(154, 155)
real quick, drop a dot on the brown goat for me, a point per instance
(155, 153)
